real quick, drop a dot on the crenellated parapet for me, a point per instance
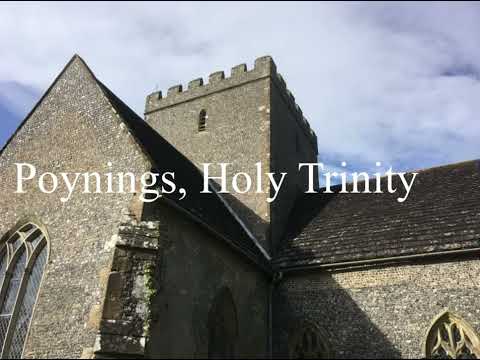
(264, 67)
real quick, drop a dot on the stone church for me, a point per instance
(224, 275)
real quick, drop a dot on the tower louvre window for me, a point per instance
(23, 257)
(202, 121)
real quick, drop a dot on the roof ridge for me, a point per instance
(455, 164)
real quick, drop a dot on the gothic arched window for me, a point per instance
(451, 337)
(308, 341)
(23, 255)
(222, 326)
(202, 121)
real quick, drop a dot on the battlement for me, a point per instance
(264, 67)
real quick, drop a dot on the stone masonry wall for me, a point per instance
(237, 130)
(377, 313)
(195, 265)
(74, 129)
(252, 117)
(132, 286)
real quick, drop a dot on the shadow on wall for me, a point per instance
(255, 224)
(320, 300)
(349, 332)
(194, 267)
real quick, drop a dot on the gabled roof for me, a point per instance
(441, 214)
(208, 208)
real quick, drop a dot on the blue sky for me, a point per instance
(396, 83)
(16, 100)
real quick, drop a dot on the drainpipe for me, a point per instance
(276, 278)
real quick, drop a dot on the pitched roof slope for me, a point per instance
(442, 213)
(208, 207)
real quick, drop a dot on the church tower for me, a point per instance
(244, 119)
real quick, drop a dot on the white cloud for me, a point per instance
(395, 83)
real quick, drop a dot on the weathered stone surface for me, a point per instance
(377, 313)
(250, 119)
(194, 267)
(74, 129)
(127, 308)
(120, 344)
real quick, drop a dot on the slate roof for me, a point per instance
(441, 214)
(208, 208)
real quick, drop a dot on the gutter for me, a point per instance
(358, 263)
(276, 278)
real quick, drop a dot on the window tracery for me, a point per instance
(309, 342)
(23, 256)
(451, 337)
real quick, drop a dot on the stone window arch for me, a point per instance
(202, 120)
(23, 256)
(222, 326)
(309, 341)
(451, 337)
